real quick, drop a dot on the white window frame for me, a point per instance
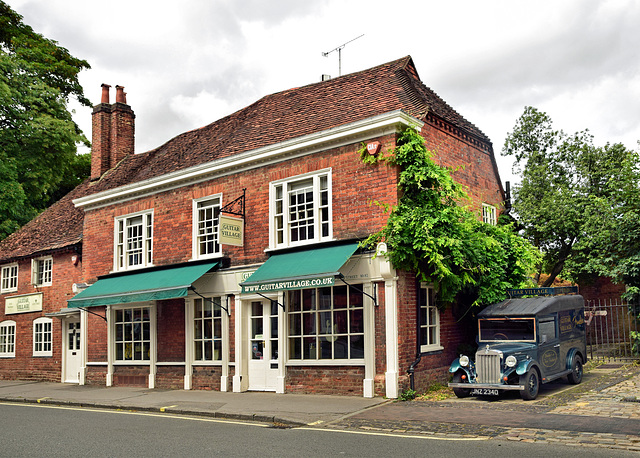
(280, 221)
(42, 271)
(325, 331)
(216, 341)
(43, 337)
(9, 281)
(428, 318)
(196, 252)
(145, 360)
(122, 253)
(489, 214)
(8, 339)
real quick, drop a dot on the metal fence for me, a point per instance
(612, 330)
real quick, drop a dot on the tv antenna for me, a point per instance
(339, 49)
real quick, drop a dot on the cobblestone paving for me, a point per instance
(612, 393)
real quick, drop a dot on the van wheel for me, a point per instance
(531, 383)
(460, 392)
(575, 376)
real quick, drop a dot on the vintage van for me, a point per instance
(523, 343)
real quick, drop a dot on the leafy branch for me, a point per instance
(431, 231)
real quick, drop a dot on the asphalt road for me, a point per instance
(37, 430)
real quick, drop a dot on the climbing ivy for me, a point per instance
(433, 232)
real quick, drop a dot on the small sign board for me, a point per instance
(543, 291)
(23, 304)
(231, 230)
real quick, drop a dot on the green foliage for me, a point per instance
(579, 203)
(431, 233)
(37, 134)
(408, 395)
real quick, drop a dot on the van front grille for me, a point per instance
(488, 366)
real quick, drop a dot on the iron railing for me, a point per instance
(612, 330)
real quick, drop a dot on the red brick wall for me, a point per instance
(97, 336)
(25, 366)
(603, 289)
(325, 380)
(471, 159)
(206, 378)
(170, 331)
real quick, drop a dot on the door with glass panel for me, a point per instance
(263, 345)
(73, 358)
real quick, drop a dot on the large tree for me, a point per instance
(38, 137)
(574, 198)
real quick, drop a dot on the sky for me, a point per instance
(187, 63)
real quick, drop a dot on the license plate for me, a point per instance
(484, 392)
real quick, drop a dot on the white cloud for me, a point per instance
(186, 64)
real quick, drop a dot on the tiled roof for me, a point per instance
(290, 114)
(59, 226)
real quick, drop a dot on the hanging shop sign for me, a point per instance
(231, 230)
(23, 304)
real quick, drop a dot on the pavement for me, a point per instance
(603, 411)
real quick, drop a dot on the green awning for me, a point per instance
(301, 269)
(141, 286)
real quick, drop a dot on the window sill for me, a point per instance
(325, 362)
(300, 245)
(426, 350)
(208, 257)
(43, 356)
(132, 363)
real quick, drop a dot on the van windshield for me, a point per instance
(507, 329)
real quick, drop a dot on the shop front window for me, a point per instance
(133, 334)
(325, 324)
(207, 325)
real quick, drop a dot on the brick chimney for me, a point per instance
(113, 132)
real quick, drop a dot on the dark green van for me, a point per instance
(523, 343)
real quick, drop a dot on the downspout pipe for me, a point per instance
(411, 370)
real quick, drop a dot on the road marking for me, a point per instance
(162, 409)
(407, 436)
(130, 412)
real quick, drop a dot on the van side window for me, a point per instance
(547, 328)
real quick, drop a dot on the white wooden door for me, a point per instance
(73, 359)
(263, 345)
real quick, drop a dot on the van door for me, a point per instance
(549, 346)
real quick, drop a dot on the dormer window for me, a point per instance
(300, 210)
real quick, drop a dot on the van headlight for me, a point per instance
(511, 361)
(464, 360)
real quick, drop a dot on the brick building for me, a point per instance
(228, 258)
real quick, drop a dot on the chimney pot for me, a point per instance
(120, 95)
(105, 93)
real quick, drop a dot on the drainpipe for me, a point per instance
(412, 369)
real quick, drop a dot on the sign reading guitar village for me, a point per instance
(231, 230)
(23, 304)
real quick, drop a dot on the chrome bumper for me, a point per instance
(490, 386)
